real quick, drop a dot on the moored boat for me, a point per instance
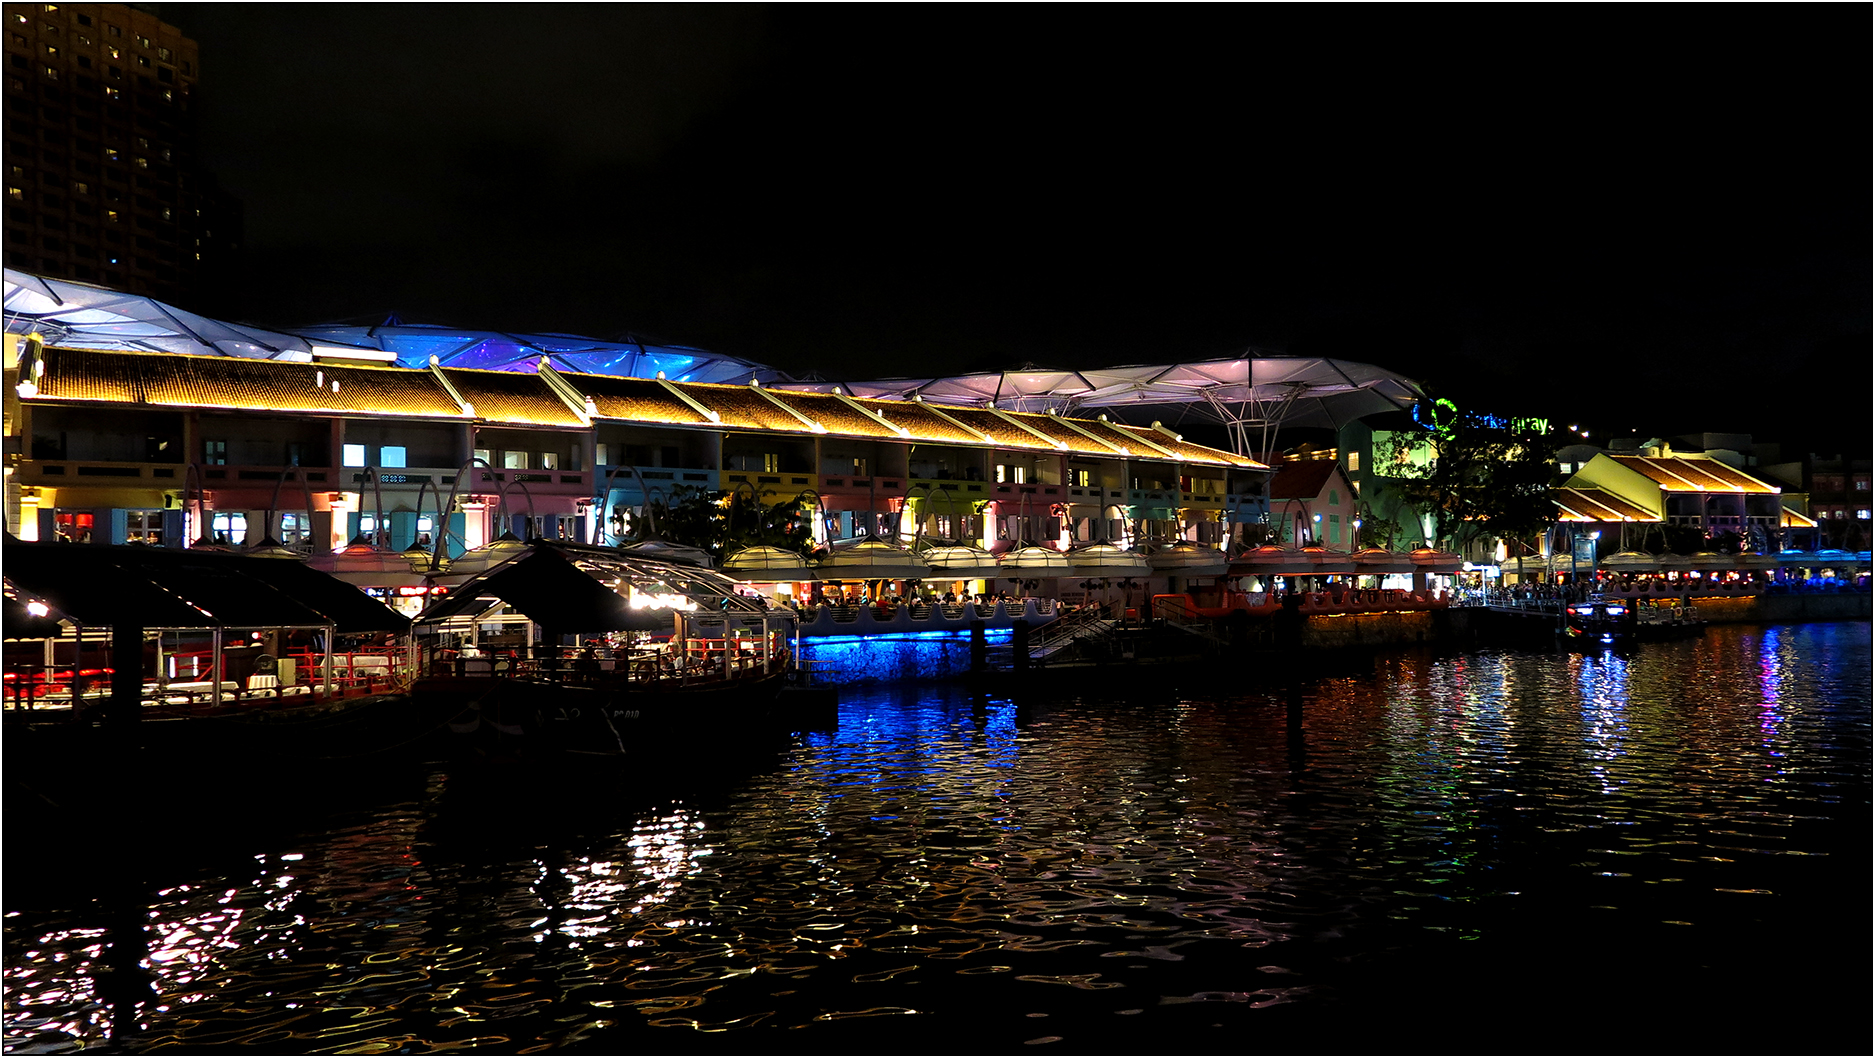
(1597, 622)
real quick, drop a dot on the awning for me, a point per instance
(153, 587)
(871, 560)
(576, 588)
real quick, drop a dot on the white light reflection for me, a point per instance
(658, 856)
(1771, 718)
(1602, 684)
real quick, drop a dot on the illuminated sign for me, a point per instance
(1442, 416)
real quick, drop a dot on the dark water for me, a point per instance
(1464, 853)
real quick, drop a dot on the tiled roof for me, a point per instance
(525, 398)
(1005, 435)
(511, 397)
(923, 423)
(242, 384)
(1597, 505)
(635, 399)
(1185, 450)
(1301, 480)
(837, 416)
(742, 408)
(1692, 474)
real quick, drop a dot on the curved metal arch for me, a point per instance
(455, 488)
(274, 506)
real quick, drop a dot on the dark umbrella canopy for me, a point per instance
(167, 588)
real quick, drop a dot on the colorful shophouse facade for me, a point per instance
(171, 450)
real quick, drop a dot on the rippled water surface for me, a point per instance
(1491, 851)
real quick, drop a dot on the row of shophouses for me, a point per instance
(169, 450)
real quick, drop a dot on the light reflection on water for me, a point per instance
(1148, 871)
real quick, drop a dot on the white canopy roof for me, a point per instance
(1243, 393)
(1256, 392)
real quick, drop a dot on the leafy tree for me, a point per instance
(723, 523)
(1473, 474)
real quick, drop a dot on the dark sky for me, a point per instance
(1652, 218)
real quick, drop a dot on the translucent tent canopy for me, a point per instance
(1249, 395)
(83, 316)
(1245, 394)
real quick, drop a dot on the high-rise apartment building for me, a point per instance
(103, 183)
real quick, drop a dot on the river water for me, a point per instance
(1453, 852)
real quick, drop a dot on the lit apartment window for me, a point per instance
(1354, 461)
(354, 455)
(143, 61)
(162, 53)
(393, 456)
(81, 187)
(113, 52)
(143, 42)
(143, 527)
(229, 528)
(18, 194)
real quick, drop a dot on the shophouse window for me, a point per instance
(1334, 528)
(1011, 473)
(354, 455)
(550, 461)
(514, 460)
(1334, 497)
(74, 526)
(215, 453)
(394, 456)
(229, 528)
(1080, 478)
(296, 453)
(485, 455)
(295, 529)
(605, 454)
(1354, 461)
(143, 527)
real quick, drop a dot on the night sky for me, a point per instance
(1652, 219)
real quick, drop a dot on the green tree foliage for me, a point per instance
(723, 523)
(1477, 475)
